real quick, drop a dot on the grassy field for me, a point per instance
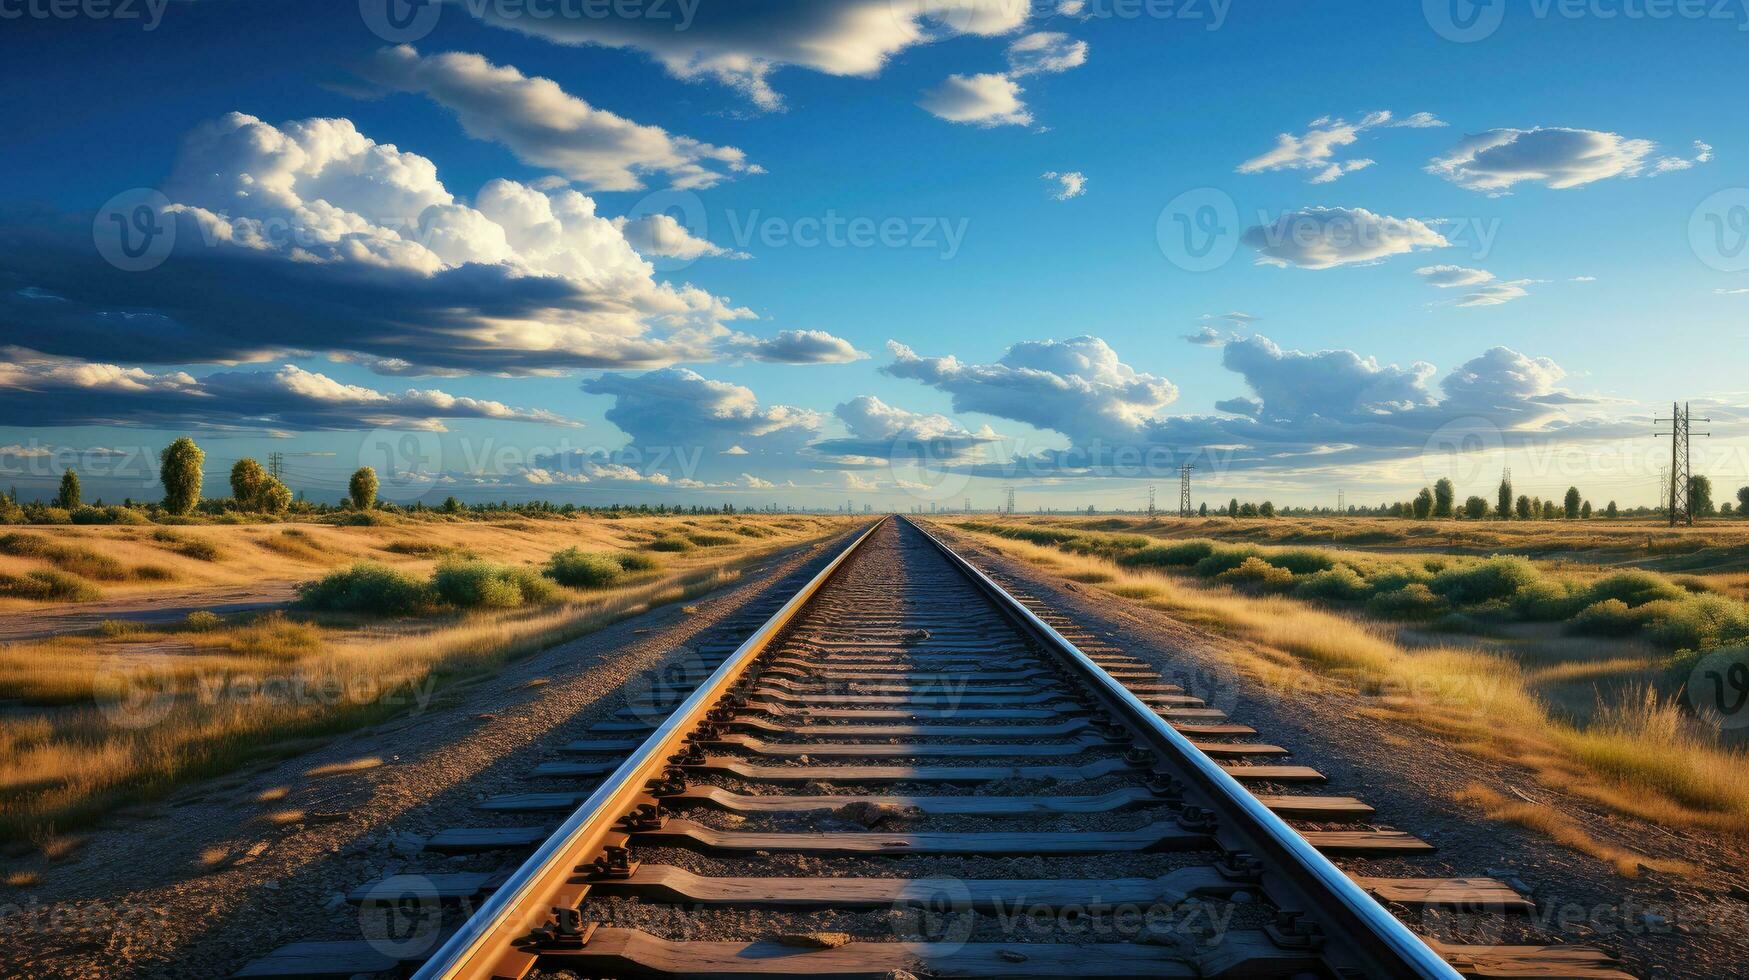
(1576, 669)
(389, 614)
(121, 562)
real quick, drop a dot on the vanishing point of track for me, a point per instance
(909, 770)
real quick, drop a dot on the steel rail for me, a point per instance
(528, 897)
(1385, 947)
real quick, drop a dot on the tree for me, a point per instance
(1743, 502)
(362, 488)
(1443, 495)
(1612, 511)
(1423, 504)
(1203, 511)
(1585, 510)
(179, 470)
(453, 506)
(1248, 510)
(1503, 500)
(247, 479)
(1266, 509)
(1700, 496)
(1475, 508)
(1523, 507)
(68, 498)
(1550, 511)
(1570, 504)
(1233, 507)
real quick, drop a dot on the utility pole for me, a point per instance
(1680, 502)
(275, 465)
(1184, 489)
(1010, 492)
(1151, 510)
(968, 505)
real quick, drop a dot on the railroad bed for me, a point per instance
(911, 771)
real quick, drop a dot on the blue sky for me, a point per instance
(1578, 231)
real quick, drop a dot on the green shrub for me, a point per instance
(1256, 571)
(1634, 588)
(636, 561)
(115, 629)
(108, 515)
(1548, 600)
(358, 518)
(1338, 583)
(749, 531)
(1182, 554)
(152, 573)
(48, 585)
(1499, 577)
(366, 588)
(1225, 559)
(669, 542)
(484, 584)
(50, 515)
(202, 621)
(1697, 623)
(188, 547)
(584, 569)
(711, 540)
(1390, 578)
(1610, 617)
(90, 564)
(1303, 561)
(1412, 601)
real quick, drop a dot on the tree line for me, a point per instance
(181, 473)
(1439, 502)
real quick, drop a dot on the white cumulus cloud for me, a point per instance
(1069, 185)
(1499, 159)
(980, 100)
(1324, 238)
(547, 127)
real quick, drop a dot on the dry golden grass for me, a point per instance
(1640, 754)
(1560, 827)
(133, 561)
(132, 716)
(1718, 546)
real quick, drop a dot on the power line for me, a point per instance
(1681, 496)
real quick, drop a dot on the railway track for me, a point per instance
(908, 770)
